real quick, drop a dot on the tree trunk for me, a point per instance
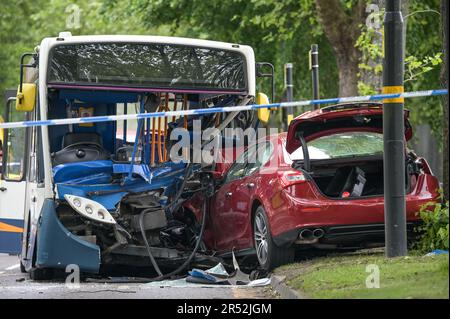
(444, 80)
(348, 76)
(342, 30)
(370, 77)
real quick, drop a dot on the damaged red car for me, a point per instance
(328, 195)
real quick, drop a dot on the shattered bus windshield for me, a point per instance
(147, 65)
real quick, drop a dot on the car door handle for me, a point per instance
(228, 194)
(3, 189)
(251, 185)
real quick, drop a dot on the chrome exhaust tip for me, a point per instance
(318, 233)
(306, 234)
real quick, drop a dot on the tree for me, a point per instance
(39, 19)
(343, 30)
(279, 32)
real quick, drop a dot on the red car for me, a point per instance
(328, 195)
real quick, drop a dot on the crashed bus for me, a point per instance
(107, 193)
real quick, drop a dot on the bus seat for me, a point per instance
(80, 147)
(81, 137)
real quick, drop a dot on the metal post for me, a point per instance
(393, 132)
(125, 124)
(314, 67)
(289, 84)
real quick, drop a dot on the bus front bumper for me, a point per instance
(57, 247)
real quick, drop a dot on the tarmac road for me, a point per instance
(16, 285)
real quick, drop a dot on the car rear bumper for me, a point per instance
(343, 236)
(343, 219)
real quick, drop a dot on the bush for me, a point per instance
(434, 230)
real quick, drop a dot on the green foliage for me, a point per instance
(422, 63)
(423, 50)
(365, 89)
(279, 32)
(434, 231)
(23, 25)
(415, 67)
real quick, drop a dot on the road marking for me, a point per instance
(12, 267)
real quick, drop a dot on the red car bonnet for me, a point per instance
(338, 118)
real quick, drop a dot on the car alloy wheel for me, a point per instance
(268, 253)
(261, 238)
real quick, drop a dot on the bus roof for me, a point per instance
(67, 38)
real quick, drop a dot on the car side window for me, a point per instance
(255, 157)
(261, 157)
(237, 170)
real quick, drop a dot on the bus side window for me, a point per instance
(15, 146)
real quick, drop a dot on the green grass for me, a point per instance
(345, 276)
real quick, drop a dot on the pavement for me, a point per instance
(16, 285)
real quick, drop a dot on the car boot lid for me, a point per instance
(338, 118)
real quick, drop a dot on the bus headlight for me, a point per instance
(90, 209)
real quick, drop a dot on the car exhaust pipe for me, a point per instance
(305, 237)
(318, 233)
(306, 234)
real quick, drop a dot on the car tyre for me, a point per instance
(268, 253)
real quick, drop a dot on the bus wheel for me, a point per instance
(39, 274)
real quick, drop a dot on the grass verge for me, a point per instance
(345, 276)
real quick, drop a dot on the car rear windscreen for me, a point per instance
(147, 65)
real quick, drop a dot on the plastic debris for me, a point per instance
(216, 276)
(437, 252)
(218, 270)
(202, 276)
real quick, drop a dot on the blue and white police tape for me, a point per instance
(211, 110)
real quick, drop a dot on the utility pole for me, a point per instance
(444, 80)
(314, 67)
(289, 84)
(394, 132)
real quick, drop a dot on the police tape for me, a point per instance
(239, 108)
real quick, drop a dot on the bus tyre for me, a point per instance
(268, 253)
(39, 274)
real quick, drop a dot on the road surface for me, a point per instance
(15, 285)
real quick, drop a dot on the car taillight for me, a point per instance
(289, 178)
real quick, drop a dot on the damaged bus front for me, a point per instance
(108, 193)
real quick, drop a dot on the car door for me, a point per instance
(13, 184)
(222, 207)
(244, 192)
